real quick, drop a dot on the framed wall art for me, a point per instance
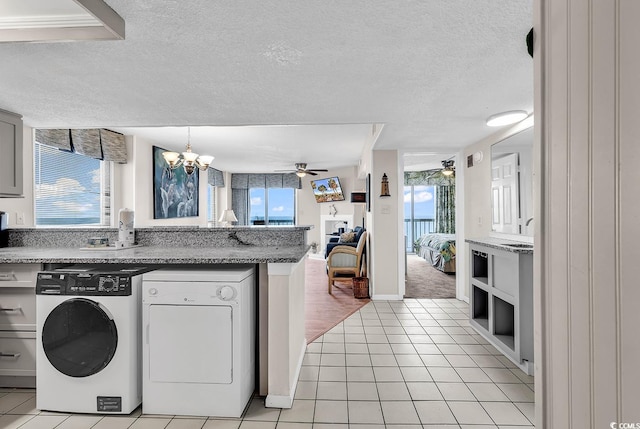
(175, 193)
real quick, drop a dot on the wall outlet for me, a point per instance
(19, 218)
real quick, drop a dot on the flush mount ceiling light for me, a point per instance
(189, 160)
(59, 20)
(506, 118)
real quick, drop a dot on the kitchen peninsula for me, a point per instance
(278, 251)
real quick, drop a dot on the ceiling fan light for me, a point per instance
(506, 118)
(448, 171)
(301, 173)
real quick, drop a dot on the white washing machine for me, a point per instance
(88, 347)
(199, 340)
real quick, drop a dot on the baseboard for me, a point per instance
(22, 381)
(387, 297)
(286, 401)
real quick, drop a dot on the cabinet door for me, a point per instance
(11, 159)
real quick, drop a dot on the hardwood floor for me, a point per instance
(324, 311)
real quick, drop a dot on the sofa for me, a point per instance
(338, 240)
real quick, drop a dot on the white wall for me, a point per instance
(586, 269)
(386, 268)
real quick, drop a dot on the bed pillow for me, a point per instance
(347, 237)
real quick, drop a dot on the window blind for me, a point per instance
(70, 189)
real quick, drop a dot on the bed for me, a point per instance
(439, 250)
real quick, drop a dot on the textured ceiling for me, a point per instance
(431, 72)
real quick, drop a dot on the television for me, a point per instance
(327, 190)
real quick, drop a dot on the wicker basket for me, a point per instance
(361, 287)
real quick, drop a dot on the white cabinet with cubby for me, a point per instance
(18, 324)
(501, 298)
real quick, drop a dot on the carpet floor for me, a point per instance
(425, 281)
(324, 311)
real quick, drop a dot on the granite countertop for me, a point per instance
(503, 244)
(156, 255)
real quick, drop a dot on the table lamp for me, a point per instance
(227, 217)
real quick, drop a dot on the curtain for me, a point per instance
(446, 209)
(240, 205)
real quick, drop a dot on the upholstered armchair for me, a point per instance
(346, 261)
(337, 241)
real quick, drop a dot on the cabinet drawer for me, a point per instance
(18, 353)
(17, 309)
(18, 275)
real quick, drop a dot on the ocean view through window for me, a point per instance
(419, 213)
(70, 189)
(273, 206)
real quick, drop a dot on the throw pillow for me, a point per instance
(347, 237)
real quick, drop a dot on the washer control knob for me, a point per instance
(226, 293)
(153, 291)
(107, 283)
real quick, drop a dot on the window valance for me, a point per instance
(428, 178)
(215, 177)
(247, 181)
(96, 143)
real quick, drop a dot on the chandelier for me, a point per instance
(189, 160)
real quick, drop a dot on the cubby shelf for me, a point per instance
(501, 301)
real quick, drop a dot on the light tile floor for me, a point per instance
(410, 364)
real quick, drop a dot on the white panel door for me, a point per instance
(505, 195)
(190, 343)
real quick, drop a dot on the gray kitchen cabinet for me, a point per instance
(501, 300)
(11, 159)
(18, 324)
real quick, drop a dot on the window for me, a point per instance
(419, 212)
(71, 189)
(274, 206)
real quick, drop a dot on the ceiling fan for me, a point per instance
(301, 170)
(448, 170)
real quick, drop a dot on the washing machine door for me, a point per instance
(79, 337)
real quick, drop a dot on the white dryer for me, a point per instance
(88, 348)
(199, 340)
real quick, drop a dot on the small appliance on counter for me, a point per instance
(4, 233)
(126, 232)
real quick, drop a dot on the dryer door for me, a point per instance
(190, 344)
(79, 338)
